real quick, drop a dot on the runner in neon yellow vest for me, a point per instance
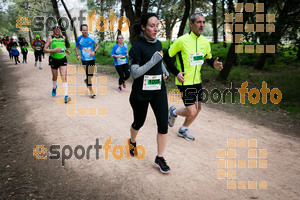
(57, 59)
(190, 50)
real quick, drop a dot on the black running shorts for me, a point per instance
(56, 63)
(191, 93)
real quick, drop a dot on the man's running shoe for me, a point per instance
(161, 163)
(92, 94)
(35, 64)
(23, 61)
(172, 118)
(185, 134)
(67, 99)
(132, 147)
(124, 85)
(119, 89)
(54, 91)
(40, 67)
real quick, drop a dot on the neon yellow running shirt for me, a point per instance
(190, 51)
(58, 42)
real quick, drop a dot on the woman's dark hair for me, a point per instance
(118, 37)
(137, 27)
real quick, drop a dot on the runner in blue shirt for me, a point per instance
(120, 53)
(87, 42)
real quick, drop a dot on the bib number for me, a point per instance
(152, 82)
(62, 51)
(87, 49)
(196, 59)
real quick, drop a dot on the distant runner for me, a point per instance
(23, 44)
(120, 53)
(86, 42)
(44, 42)
(13, 50)
(37, 45)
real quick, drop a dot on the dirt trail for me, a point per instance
(30, 116)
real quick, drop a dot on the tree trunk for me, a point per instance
(230, 59)
(30, 38)
(298, 45)
(131, 15)
(185, 17)
(64, 32)
(122, 14)
(193, 6)
(282, 24)
(230, 6)
(71, 20)
(138, 8)
(231, 55)
(102, 14)
(145, 6)
(158, 7)
(214, 21)
(223, 12)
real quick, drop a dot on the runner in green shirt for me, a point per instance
(57, 59)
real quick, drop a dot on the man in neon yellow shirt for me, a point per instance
(190, 50)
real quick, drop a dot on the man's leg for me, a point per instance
(189, 112)
(63, 74)
(36, 58)
(40, 60)
(54, 81)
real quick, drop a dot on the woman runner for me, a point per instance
(148, 87)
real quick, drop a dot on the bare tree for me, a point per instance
(231, 55)
(134, 15)
(64, 32)
(70, 18)
(223, 12)
(214, 21)
(185, 17)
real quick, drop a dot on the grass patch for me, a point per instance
(4, 175)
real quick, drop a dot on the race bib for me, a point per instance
(62, 51)
(122, 58)
(152, 82)
(24, 47)
(38, 48)
(196, 59)
(87, 49)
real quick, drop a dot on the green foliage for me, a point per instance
(3, 175)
